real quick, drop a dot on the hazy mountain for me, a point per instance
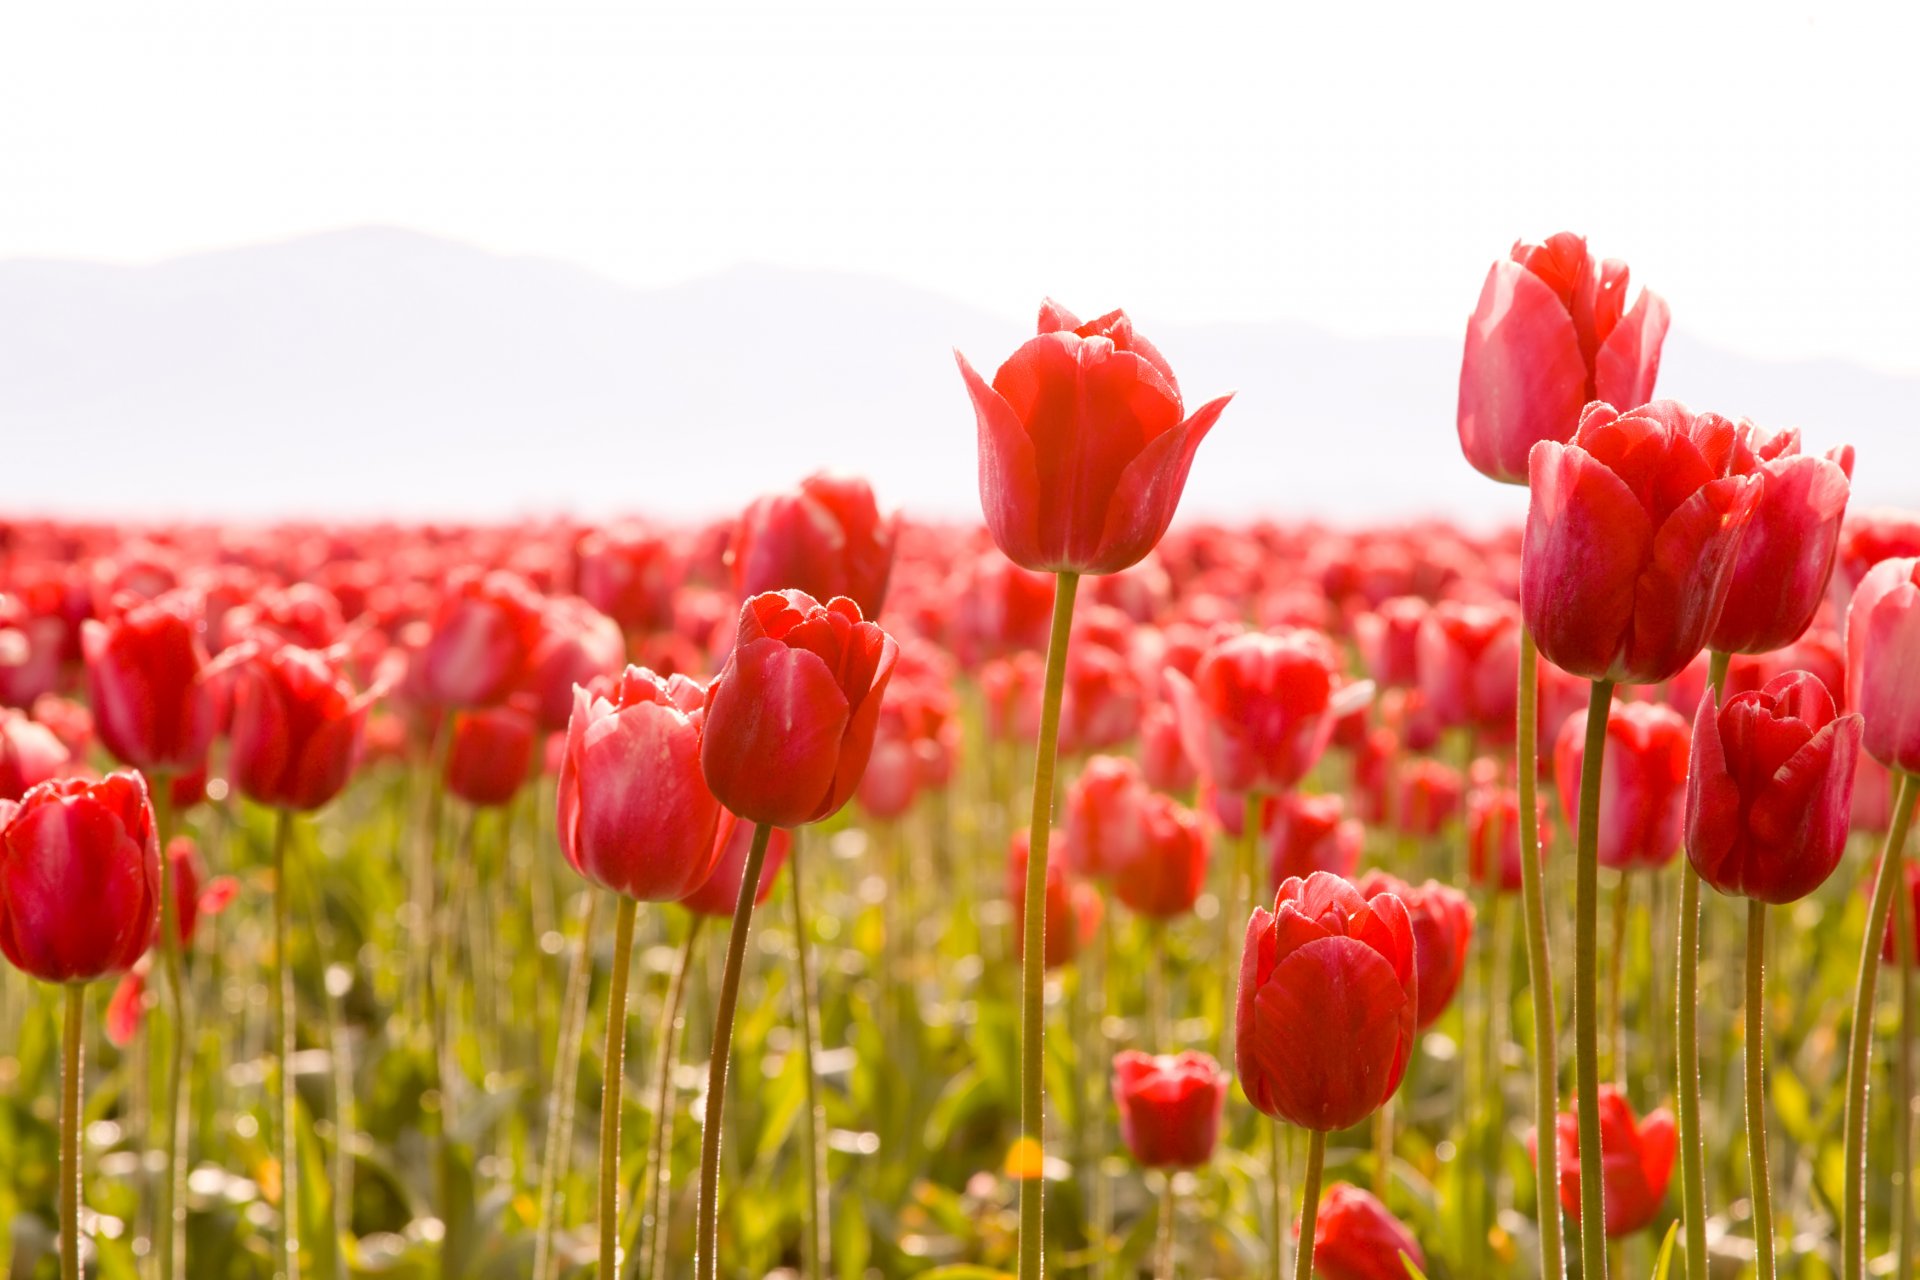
(373, 371)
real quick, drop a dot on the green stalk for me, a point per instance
(1903, 1114)
(1157, 980)
(1033, 972)
(1853, 1240)
(283, 1048)
(1757, 1087)
(169, 1250)
(613, 1067)
(813, 1238)
(1163, 1248)
(72, 1182)
(1593, 1235)
(707, 1240)
(1309, 1206)
(657, 1182)
(1546, 1055)
(566, 1073)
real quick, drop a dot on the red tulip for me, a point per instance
(577, 644)
(29, 754)
(719, 894)
(1493, 832)
(1309, 833)
(1883, 661)
(194, 894)
(1324, 1019)
(1867, 538)
(1105, 820)
(1470, 666)
(491, 754)
(1100, 702)
(151, 703)
(1428, 798)
(79, 878)
(1355, 1238)
(1169, 1107)
(1633, 534)
(1636, 1161)
(1550, 333)
(31, 645)
(1442, 920)
(891, 781)
(1643, 793)
(1083, 450)
(791, 719)
(1163, 877)
(635, 814)
(296, 729)
(304, 614)
(999, 608)
(1787, 554)
(827, 539)
(1260, 708)
(1164, 761)
(482, 642)
(1073, 907)
(68, 720)
(1389, 640)
(1771, 789)
(629, 575)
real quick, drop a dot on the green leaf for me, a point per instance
(1665, 1265)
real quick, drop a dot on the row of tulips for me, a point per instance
(1241, 712)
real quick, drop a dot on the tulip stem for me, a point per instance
(1163, 1249)
(1757, 1087)
(1383, 1149)
(71, 1179)
(1157, 980)
(813, 1124)
(1309, 1206)
(707, 1240)
(283, 1048)
(1693, 1171)
(169, 1256)
(1033, 973)
(566, 1073)
(1616, 1037)
(1546, 1068)
(1853, 1241)
(1593, 1235)
(612, 1075)
(656, 1180)
(1903, 1114)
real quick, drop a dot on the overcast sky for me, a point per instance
(1352, 166)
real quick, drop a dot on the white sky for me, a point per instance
(1350, 165)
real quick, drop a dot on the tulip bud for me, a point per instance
(490, 754)
(1442, 920)
(1169, 1107)
(1787, 554)
(1260, 708)
(719, 894)
(828, 539)
(1636, 1161)
(1163, 876)
(1355, 1238)
(1643, 805)
(79, 878)
(151, 703)
(296, 730)
(1883, 650)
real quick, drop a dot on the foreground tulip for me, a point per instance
(827, 539)
(1787, 553)
(79, 900)
(1551, 332)
(1883, 657)
(1633, 533)
(1637, 1162)
(1083, 449)
(1357, 1239)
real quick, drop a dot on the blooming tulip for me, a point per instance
(79, 878)
(791, 718)
(1632, 537)
(1083, 449)
(1636, 1162)
(296, 727)
(1163, 876)
(1644, 779)
(1261, 706)
(827, 539)
(1551, 332)
(151, 703)
(1169, 1107)
(1787, 554)
(1326, 1008)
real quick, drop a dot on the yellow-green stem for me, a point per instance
(1762, 1190)
(813, 1238)
(1546, 1055)
(1309, 1205)
(283, 1047)
(612, 1075)
(657, 1182)
(706, 1245)
(1693, 1165)
(72, 1183)
(1586, 1030)
(169, 1251)
(1033, 972)
(559, 1136)
(1163, 1249)
(1903, 1114)
(1853, 1240)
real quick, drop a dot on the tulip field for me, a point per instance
(631, 898)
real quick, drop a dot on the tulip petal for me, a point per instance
(1680, 594)
(1009, 480)
(1521, 377)
(1587, 541)
(786, 717)
(1328, 1027)
(1713, 801)
(1628, 361)
(1149, 491)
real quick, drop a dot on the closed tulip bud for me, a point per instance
(791, 718)
(635, 813)
(1100, 701)
(1493, 837)
(1162, 878)
(297, 726)
(827, 539)
(1083, 447)
(1169, 1107)
(1329, 991)
(481, 645)
(1389, 640)
(1643, 803)
(152, 706)
(30, 754)
(490, 754)
(1883, 656)
(1470, 666)
(79, 878)
(1164, 761)
(1786, 556)
(1442, 933)
(1632, 538)
(629, 575)
(1428, 798)
(1309, 833)
(1105, 822)
(1355, 1238)
(578, 644)
(1636, 1161)
(1260, 708)
(1770, 789)
(719, 894)
(1551, 332)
